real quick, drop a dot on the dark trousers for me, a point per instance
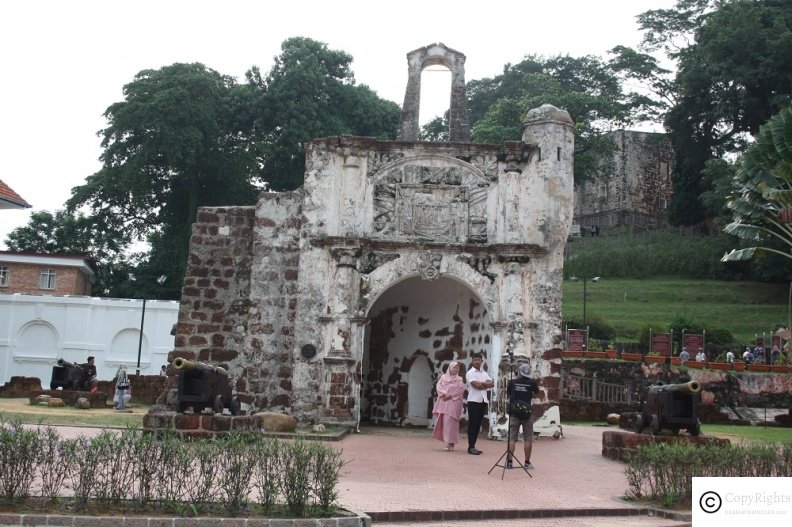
(476, 413)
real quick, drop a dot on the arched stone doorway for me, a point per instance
(418, 325)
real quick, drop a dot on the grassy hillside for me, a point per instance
(744, 308)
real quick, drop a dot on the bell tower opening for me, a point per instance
(417, 327)
(435, 103)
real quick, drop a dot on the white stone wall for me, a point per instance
(37, 330)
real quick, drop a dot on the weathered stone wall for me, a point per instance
(215, 301)
(308, 272)
(636, 188)
(734, 389)
(439, 320)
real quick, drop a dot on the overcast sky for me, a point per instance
(66, 61)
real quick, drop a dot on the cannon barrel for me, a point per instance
(687, 387)
(66, 364)
(184, 364)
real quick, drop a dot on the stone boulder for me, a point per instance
(275, 422)
(613, 419)
(42, 399)
(55, 401)
(318, 429)
(83, 403)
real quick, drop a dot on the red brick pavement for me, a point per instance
(401, 470)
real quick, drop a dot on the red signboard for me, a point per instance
(661, 343)
(576, 339)
(693, 343)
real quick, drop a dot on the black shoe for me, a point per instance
(509, 463)
(474, 452)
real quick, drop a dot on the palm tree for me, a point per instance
(762, 201)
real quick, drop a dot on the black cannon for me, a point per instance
(70, 376)
(671, 407)
(204, 386)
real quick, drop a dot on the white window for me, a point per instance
(602, 192)
(3, 276)
(47, 279)
(663, 204)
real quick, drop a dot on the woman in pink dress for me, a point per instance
(448, 406)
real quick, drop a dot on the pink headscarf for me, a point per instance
(450, 382)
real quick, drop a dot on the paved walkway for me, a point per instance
(392, 471)
(403, 477)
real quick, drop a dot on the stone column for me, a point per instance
(343, 299)
(458, 122)
(408, 121)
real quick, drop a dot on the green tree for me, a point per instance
(732, 75)
(586, 87)
(762, 199)
(76, 234)
(175, 143)
(309, 93)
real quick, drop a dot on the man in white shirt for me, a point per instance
(478, 383)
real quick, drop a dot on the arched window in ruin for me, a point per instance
(458, 125)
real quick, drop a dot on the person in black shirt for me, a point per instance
(521, 390)
(90, 368)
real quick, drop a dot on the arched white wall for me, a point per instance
(37, 330)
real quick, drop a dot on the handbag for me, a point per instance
(520, 409)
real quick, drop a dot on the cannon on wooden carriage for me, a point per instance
(70, 376)
(204, 386)
(671, 407)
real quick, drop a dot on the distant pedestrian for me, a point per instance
(448, 406)
(123, 388)
(775, 355)
(701, 357)
(684, 356)
(730, 357)
(164, 371)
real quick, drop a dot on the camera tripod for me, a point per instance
(507, 454)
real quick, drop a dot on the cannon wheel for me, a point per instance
(655, 425)
(675, 430)
(219, 404)
(639, 424)
(235, 406)
(695, 429)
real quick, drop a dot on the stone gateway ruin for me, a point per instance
(342, 301)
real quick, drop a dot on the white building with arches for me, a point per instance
(37, 330)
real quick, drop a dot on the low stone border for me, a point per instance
(356, 519)
(69, 397)
(616, 445)
(520, 514)
(208, 426)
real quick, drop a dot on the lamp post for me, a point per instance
(585, 279)
(160, 281)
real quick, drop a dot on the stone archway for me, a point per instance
(434, 321)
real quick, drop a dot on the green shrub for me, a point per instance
(664, 472)
(134, 469)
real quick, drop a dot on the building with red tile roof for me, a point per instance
(10, 199)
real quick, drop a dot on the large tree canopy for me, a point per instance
(187, 136)
(172, 145)
(586, 87)
(310, 92)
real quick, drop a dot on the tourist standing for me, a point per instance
(521, 390)
(478, 384)
(448, 406)
(122, 393)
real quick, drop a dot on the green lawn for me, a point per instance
(736, 434)
(744, 308)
